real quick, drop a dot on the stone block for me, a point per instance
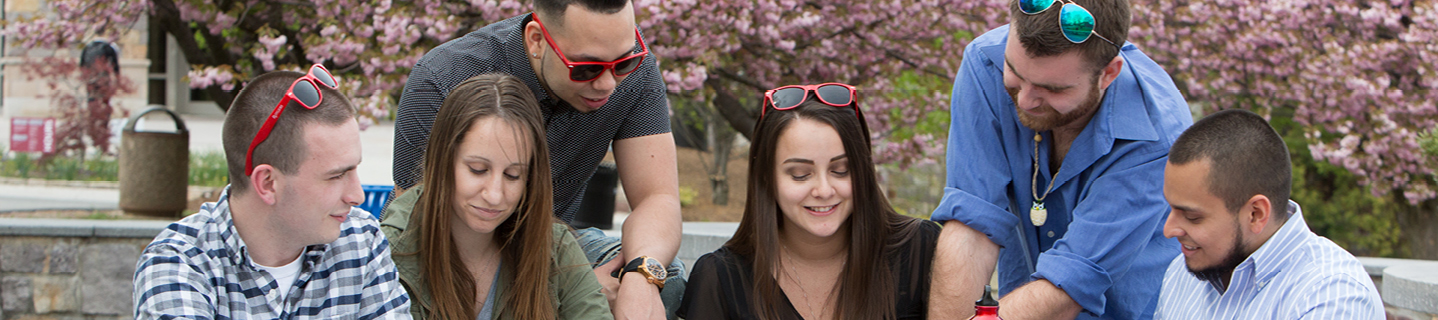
(22, 256)
(1412, 286)
(49, 317)
(108, 271)
(63, 258)
(56, 294)
(15, 293)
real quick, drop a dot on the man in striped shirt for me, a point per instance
(1247, 253)
(284, 240)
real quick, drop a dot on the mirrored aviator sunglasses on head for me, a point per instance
(1076, 22)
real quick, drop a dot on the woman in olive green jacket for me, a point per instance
(476, 238)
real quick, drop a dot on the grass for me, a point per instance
(206, 168)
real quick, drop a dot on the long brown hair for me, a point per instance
(524, 239)
(867, 287)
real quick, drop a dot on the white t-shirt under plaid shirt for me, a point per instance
(199, 268)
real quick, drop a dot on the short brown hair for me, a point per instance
(1041, 37)
(285, 146)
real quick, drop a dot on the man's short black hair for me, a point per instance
(1248, 158)
(552, 10)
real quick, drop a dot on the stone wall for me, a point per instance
(83, 269)
(70, 269)
(1409, 287)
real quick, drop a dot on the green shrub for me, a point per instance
(209, 169)
(1336, 205)
(206, 168)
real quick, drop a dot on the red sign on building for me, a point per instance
(32, 135)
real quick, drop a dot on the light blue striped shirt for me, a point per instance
(1294, 275)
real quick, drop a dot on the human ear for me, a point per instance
(533, 39)
(1110, 71)
(263, 182)
(1261, 213)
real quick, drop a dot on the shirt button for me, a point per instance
(1051, 234)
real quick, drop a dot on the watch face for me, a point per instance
(655, 268)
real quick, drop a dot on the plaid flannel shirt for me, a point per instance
(198, 268)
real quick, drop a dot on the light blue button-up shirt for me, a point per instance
(1294, 275)
(1103, 243)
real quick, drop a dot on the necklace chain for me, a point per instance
(1033, 183)
(804, 292)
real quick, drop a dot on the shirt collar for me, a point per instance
(1123, 114)
(1132, 114)
(525, 71)
(1274, 255)
(235, 248)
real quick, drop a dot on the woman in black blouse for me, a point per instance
(818, 239)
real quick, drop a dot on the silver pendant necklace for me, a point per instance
(1038, 214)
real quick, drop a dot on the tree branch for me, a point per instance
(734, 76)
(728, 106)
(167, 17)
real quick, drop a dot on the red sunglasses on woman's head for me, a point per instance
(306, 92)
(833, 94)
(590, 70)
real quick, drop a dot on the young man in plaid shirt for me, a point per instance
(283, 241)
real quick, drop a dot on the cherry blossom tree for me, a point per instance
(729, 52)
(368, 44)
(1358, 76)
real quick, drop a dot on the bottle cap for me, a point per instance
(988, 300)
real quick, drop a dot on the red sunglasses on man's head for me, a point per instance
(590, 70)
(306, 92)
(832, 94)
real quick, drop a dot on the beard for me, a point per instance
(1224, 269)
(1051, 117)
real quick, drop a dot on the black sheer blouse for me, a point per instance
(720, 283)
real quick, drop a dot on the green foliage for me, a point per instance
(25, 165)
(206, 168)
(911, 85)
(1429, 142)
(1335, 205)
(209, 169)
(686, 196)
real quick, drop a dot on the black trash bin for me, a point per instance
(597, 208)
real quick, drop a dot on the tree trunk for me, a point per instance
(1420, 227)
(721, 141)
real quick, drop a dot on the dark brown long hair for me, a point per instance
(524, 239)
(867, 287)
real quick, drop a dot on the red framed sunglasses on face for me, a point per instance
(306, 92)
(590, 70)
(833, 94)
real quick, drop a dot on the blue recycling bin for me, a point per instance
(374, 198)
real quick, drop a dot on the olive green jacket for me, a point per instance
(571, 284)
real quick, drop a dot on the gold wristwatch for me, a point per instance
(652, 270)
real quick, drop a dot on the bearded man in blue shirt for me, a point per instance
(1059, 134)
